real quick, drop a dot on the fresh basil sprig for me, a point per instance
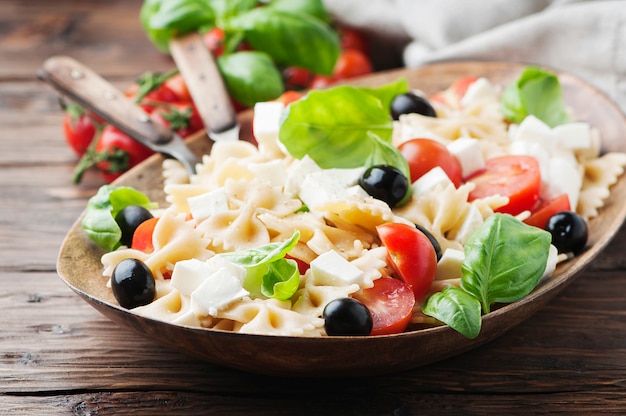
(99, 220)
(289, 32)
(269, 273)
(504, 261)
(536, 92)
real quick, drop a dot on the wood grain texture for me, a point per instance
(59, 356)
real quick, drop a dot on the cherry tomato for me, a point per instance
(117, 152)
(391, 304)
(79, 128)
(411, 255)
(352, 63)
(150, 87)
(302, 265)
(453, 95)
(545, 209)
(289, 97)
(142, 237)
(177, 84)
(515, 176)
(214, 41)
(182, 117)
(351, 38)
(321, 81)
(425, 154)
(297, 78)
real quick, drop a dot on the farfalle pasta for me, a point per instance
(259, 201)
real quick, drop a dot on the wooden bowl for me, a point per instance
(79, 263)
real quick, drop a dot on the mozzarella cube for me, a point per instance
(553, 257)
(216, 292)
(332, 269)
(319, 188)
(266, 121)
(478, 91)
(273, 172)
(449, 265)
(220, 262)
(532, 129)
(189, 274)
(574, 136)
(469, 155)
(563, 178)
(430, 180)
(297, 172)
(207, 204)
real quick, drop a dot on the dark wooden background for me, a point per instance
(59, 356)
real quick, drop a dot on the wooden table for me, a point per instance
(60, 356)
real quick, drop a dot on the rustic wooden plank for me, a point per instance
(67, 346)
(106, 35)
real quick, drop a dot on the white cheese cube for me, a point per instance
(333, 270)
(319, 188)
(574, 136)
(553, 257)
(189, 274)
(297, 172)
(210, 203)
(563, 178)
(449, 265)
(266, 121)
(220, 262)
(273, 172)
(478, 91)
(216, 292)
(532, 129)
(467, 151)
(430, 180)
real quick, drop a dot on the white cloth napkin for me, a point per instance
(585, 38)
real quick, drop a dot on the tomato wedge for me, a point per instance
(391, 304)
(542, 213)
(515, 176)
(142, 237)
(411, 254)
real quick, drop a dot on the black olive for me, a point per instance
(128, 219)
(385, 183)
(132, 283)
(411, 103)
(432, 239)
(347, 316)
(569, 232)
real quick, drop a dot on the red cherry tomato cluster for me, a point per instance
(111, 152)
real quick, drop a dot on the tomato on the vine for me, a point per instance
(517, 177)
(351, 38)
(79, 128)
(424, 154)
(545, 209)
(297, 78)
(182, 117)
(177, 84)
(151, 87)
(214, 41)
(390, 303)
(352, 63)
(114, 153)
(411, 255)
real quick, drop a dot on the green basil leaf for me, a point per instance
(504, 260)
(250, 77)
(266, 275)
(163, 20)
(456, 308)
(225, 9)
(290, 38)
(99, 220)
(314, 8)
(536, 92)
(332, 126)
(281, 280)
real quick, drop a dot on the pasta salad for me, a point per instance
(347, 218)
